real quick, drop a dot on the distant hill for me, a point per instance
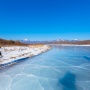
(84, 42)
(10, 42)
(60, 41)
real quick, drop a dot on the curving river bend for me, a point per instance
(61, 68)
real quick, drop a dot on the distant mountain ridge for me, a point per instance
(59, 41)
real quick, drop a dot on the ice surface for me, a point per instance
(61, 68)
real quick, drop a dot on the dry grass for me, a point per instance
(36, 45)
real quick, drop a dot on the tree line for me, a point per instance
(86, 42)
(10, 42)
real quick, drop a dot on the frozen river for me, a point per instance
(61, 68)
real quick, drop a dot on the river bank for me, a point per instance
(13, 54)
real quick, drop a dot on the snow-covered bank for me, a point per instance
(15, 53)
(70, 44)
(73, 45)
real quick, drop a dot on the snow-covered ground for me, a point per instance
(74, 45)
(13, 53)
(69, 44)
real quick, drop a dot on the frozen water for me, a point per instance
(61, 68)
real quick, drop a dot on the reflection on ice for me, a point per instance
(61, 68)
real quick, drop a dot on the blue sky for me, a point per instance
(45, 19)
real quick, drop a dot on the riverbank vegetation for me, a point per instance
(4, 42)
(84, 42)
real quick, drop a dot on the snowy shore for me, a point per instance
(69, 44)
(73, 45)
(13, 54)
